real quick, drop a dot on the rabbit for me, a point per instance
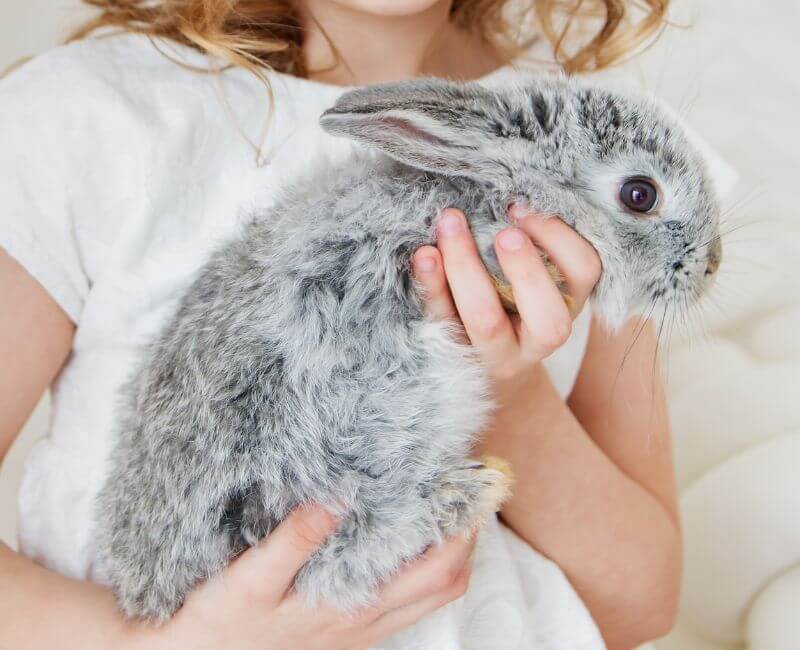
(300, 366)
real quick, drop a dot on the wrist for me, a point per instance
(528, 407)
(540, 387)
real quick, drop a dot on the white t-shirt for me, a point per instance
(120, 171)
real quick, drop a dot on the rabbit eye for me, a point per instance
(639, 195)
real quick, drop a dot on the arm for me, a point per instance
(595, 491)
(594, 487)
(41, 609)
(38, 608)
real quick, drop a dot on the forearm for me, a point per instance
(616, 543)
(599, 501)
(41, 609)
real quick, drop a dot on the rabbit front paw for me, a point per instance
(469, 495)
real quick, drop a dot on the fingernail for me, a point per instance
(425, 264)
(451, 223)
(518, 210)
(321, 519)
(511, 240)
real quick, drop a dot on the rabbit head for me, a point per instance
(617, 169)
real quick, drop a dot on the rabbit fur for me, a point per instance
(299, 366)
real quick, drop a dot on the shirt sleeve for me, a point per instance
(36, 228)
(60, 127)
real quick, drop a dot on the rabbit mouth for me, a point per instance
(683, 287)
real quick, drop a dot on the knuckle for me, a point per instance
(557, 334)
(458, 587)
(440, 582)
(590, 268)
(461, 585)
(450, 576)
(491, 324)
(444, 579)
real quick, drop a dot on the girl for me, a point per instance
(129, 156)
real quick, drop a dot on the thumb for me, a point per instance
(429, 273)
(269, 568)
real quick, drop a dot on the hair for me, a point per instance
(262, 35)
(259, 35)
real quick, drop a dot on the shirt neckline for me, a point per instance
(494, 75)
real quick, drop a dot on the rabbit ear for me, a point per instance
(429, 124)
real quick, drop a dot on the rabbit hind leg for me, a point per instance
(470, 494)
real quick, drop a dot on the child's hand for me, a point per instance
(252, 605)
(458, 287)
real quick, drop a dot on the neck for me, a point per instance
(344, 46)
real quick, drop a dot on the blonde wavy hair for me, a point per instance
(584, 35)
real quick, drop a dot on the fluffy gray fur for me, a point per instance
(299, 366)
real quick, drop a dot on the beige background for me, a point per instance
(29, 26)
(734, 76)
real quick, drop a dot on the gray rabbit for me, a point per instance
(299, 366)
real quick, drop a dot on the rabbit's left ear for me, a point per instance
(429, 124)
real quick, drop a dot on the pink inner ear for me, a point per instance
(412, 131)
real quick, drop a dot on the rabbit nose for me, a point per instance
(714, 257)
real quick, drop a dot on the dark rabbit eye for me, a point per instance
(639, 195)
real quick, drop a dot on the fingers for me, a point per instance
(268, 570)
(429, 272)
(547, 322)
(437, 577)
(440, 576)
(434, 572)
(401, 618)
(486, 323)
(572, 254)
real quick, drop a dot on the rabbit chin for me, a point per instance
(611, 301)
(614, 307)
